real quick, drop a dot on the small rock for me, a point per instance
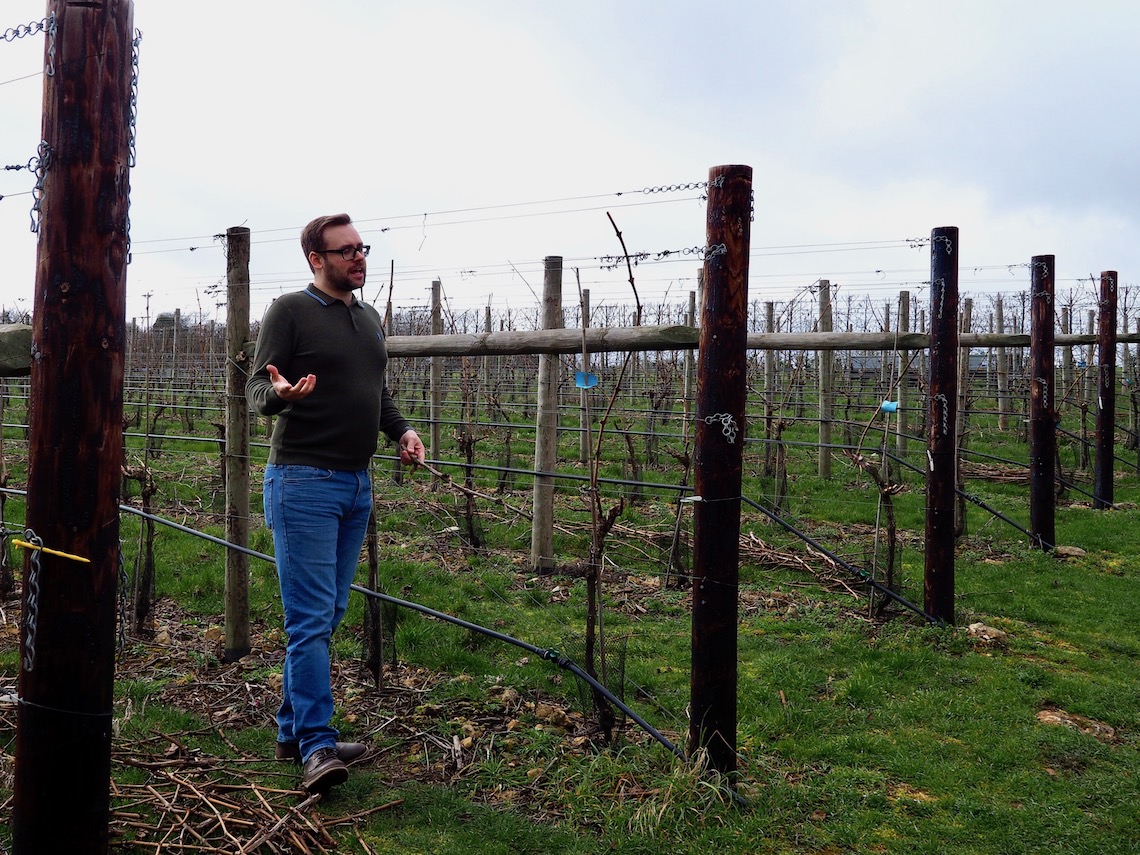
(988, 634)
(1069, 552)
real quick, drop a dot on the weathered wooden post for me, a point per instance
(487, 385)
(584, 450)
(687, 362)
(546, 433)
(902, 423)
(436, 376)
(1106, 393)
(75, 450)
(1002, 368)
(237, 443)
(1042, 405)
(965, 325)
(720, 430)
(1066, 387)
(941, 422)
(825, 359)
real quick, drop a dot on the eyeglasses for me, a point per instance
(348, 252)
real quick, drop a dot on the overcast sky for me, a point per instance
(469, 140)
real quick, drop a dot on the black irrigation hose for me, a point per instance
(863, 575)
(548, 654)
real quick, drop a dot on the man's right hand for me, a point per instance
(287, 391)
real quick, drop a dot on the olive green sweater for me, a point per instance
(337, 425)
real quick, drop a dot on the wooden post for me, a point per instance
(720, 430)
(1066, 387)
(941, 421)
(1002, 369)
(75, 449)
(584, 450)
(966, 322)
(825, 359)
(546, 434)
(902, 426)
(436, 380)
(237, 443)
(487, 386)
(687, 361)
(1090, 358)
(1106, 393)
(1042, 405)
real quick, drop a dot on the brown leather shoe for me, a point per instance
(348, 752)
(323, 769)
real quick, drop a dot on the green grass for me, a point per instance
(854, 735)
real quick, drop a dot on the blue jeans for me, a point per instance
(319, 518)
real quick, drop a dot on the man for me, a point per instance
(319, 367)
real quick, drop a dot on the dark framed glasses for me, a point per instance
(348, 252)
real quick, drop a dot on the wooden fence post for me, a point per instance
(237, 444)
(825, 360)
(436, 376)
(546, 434)
(1106, 393)
(75, 450)
(721, 393)
(941, 423)
(687, 362)
(584, 450)
(902, 421)
(1002, 369)
(1042, 405)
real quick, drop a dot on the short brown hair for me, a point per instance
(313, 235)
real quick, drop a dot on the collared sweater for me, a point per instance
(337, 425)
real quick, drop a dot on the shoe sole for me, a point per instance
(329, 778)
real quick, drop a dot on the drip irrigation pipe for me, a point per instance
(863, 575)
(548, 654)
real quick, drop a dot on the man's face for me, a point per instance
(334, 272)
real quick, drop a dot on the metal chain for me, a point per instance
(945, 410)
(42, 164)
(124, 581)
(32, 608)
(35, 28)
(674, 188)
(131, 149)
(727, 422)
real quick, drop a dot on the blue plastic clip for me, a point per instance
(889, 406)
(585, 380)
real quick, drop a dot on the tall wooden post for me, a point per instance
(1106, 393)
(546, 434)
(584, 450)
(941, 423)
(436, 380)
(720, 430)
(1042, 405)
(902, 425)
(67, 642)
(687, 363)
(825, 359)
(1003, 407)
(237, 443)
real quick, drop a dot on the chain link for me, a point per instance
(728, 425)
(124, 581)
(42, 164)
(945, 410)
(47, 25)
(32, 608)
(675, 188)
(132, 144)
